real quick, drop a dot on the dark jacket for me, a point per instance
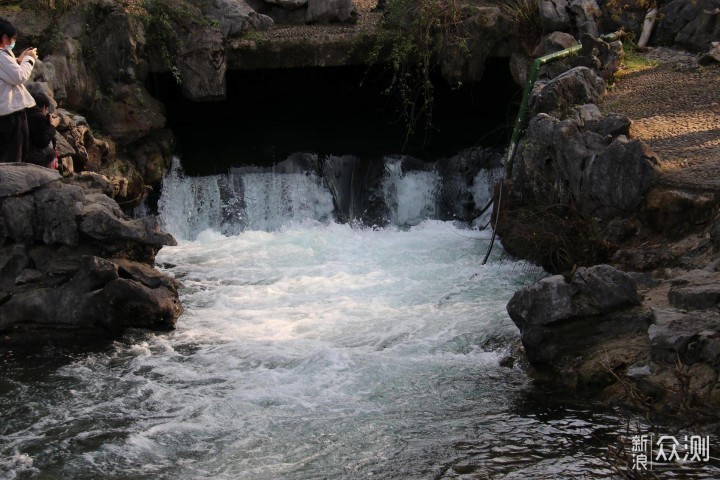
(42, 133)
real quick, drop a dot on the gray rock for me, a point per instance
(129, 114)
(554, 42)
(554, 15)
(42, 88)
(52, 275)
(573, 162)
(13, 260)
(203, 64)
(485, 31)
(616, 180)
(558, 319)
(328, 11)
(584, 14)
(68, 76)
(102, 225)
(520, 67)
(236, 17)
(696, 290)
(289, 4)
(685, 337)
(699, 33)
(18, 218)
(57, 212)
(118, 40)
(21, 178)
(63, 147)
(577, 86)
(30, 276)
(712, 56)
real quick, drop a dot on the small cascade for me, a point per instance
(411, 197)
(395, 190)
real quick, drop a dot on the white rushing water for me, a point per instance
(308, 349)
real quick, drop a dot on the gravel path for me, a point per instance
(675, 108)
(366, 24)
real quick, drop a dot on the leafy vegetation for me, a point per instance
(414, 34)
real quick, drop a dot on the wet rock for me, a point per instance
(696, 290)
(560, 319)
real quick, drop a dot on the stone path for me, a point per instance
(675, 108)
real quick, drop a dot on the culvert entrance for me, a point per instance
(270, 114)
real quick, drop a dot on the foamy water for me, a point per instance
(307, 350)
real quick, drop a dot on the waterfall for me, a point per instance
(396, 190)
(411, 197)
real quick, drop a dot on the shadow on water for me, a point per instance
(270, 114)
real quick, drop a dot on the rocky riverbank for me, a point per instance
(72, 264)
(627, 213)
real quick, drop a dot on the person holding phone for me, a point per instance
(14, 97)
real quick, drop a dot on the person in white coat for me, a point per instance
(14, 97)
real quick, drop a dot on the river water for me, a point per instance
(308, 349)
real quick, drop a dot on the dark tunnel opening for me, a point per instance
(270, 114)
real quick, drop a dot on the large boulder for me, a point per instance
(484, 32)
(117, 41)
(556, 97)
(129, 113)
(554, 14)
(327, 11)
(68, 76)
(584, 15)
(684, 337)
(70, 260)
(559, 319)
(202, 64)
(236, 17)
(704, 29)
(585, 161)
(696, 290)
(694, 25)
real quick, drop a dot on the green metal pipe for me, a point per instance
(530, 83)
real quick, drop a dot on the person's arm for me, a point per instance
(13, 73)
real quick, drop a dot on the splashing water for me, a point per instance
(308, 349)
